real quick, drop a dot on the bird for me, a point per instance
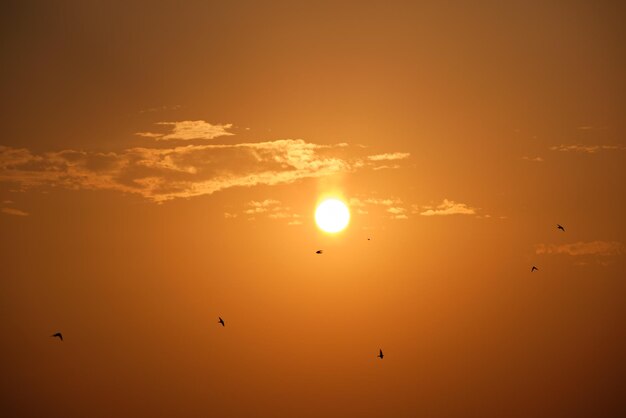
(221, 321)
(369, 239)
(319, 251)
(560, 227)
(381, 355)
(58, 335)
(533, 269)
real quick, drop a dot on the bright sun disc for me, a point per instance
(332, 215)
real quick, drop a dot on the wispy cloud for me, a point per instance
(533, 159)
(14, 212)
(149, 135)
(397, 212)
(272, 209)
(382, 202)
(162, 174)
(391, 206)
(601, 248)
(448, 207)
(190, 129)
(386, 167)
(355, 201)
(283, 215)
(389, 156)
(588, 149)
(260, 206)
(184, 171)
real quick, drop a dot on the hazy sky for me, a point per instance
(161, 162)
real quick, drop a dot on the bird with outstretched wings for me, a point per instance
(57, 335)
(380, 355)
(558, 226)
(221, 321)
(533, 269)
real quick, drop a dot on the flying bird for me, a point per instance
(533, 269)
(381, 355)
(319, 251)
(221, 321)
(58, 335)
(560, 227)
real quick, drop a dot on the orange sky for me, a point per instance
(161, 162)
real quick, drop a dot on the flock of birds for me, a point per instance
(380, 351)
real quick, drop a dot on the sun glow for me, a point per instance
(332, 215)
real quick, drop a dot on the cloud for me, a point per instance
(533, 159)
(389, 156)
(390, 205)
(229, 215)
(260, 207)
(588, 149)
(162, 174)
(383, 202)
(396, 210)
(271, 209)
(184, 171)
(189, 129)
(601, 248)
(263, 204)
(14, 212)
(354, 201)
(282, 215)
(449, 207)
(386, 167)
(148, 134)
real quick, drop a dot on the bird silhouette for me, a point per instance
(560, 227)
(319, 251)
(58, 335)
(533, 269)
(369, 239)
(381, 355)
(221, 321)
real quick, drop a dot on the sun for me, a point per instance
(332, 215)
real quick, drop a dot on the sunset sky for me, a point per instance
(160, 167)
